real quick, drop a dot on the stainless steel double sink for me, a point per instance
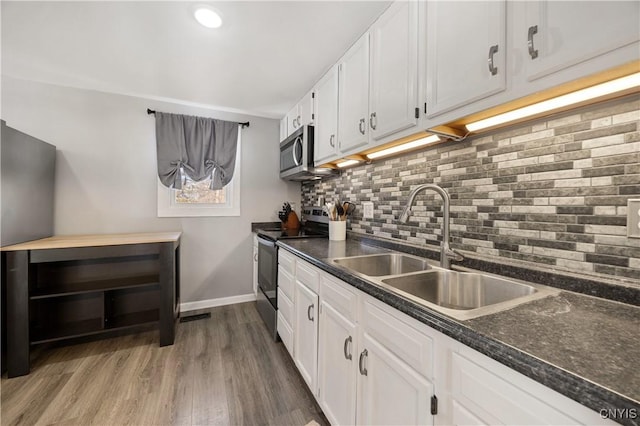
(458, 294)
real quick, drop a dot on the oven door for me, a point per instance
(268, 270)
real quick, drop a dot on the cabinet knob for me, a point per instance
(347, 341)
(373, 121)
(361, 367)
(492, 51)
(533, 52)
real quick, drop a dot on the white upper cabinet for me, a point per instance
(353, 98)
(301, 114)
(292, 120)
(466, 53)
(561, 34)
(283, 129)
(393, 96)
(306, 109)
(326, 117)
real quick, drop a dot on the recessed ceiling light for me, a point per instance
(207, 17)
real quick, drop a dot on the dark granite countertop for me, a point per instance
(584, 347)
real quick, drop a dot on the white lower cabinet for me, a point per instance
(389, 391)
(306, 333)
(485, 392)
(337, 360)
(255, 264)
(368, 363)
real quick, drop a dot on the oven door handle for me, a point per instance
(297, 144)
(266, 242)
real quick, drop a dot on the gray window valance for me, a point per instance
(199, 147)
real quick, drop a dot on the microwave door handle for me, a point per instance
(297, 142)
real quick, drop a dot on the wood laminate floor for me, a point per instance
(224, 370)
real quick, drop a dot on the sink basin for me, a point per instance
(384, 264)
(460, 290)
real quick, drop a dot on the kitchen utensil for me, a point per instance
(331, 210)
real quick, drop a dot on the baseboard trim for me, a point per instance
(212, 303)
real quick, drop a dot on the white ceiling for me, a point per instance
(261, 61)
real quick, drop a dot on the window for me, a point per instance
(196, 199)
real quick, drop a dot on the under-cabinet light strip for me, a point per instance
(347, 163)
(582, 95)
(404, 147)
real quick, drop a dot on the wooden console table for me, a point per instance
(66, 287)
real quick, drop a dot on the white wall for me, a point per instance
(106, 177)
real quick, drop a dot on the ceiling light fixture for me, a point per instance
(593, 92)
(404, 147)
(347, 163)
(207, 17)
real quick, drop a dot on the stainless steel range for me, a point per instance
(315, 224)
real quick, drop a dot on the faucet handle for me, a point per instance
(454, 255)
(404, 215)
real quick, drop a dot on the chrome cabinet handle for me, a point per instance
(373, 120)
(361, 126)
(255, 257)
(298, 121)
(331, 141)
(492, 51)
(309, 309)
(533, 52)
(361, 367)
(347, 355)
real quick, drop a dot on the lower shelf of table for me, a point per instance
(93, 326)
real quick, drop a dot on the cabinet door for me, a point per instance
(255, 269)
(326, 127)
(564, 33)
(465, 53)
(283, 129)
(306, 109)
(394, 70)
(336, 366)
(306, 334)
(389, 391)
(293, 117)
(353, 100)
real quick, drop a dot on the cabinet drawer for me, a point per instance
(285, 282)
(286, 261)
(408, 344)
(285, 306)
(308, 275)
(338, 295)
(286, 333)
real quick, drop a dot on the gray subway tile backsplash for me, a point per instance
(553, 192)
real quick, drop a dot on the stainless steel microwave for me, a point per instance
(296, 157)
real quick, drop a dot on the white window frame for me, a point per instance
(167, 207)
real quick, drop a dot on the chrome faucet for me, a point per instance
(447, 253)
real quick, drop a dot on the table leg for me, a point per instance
(17, 313)
(167, 293)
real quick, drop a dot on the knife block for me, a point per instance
(292, 221)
